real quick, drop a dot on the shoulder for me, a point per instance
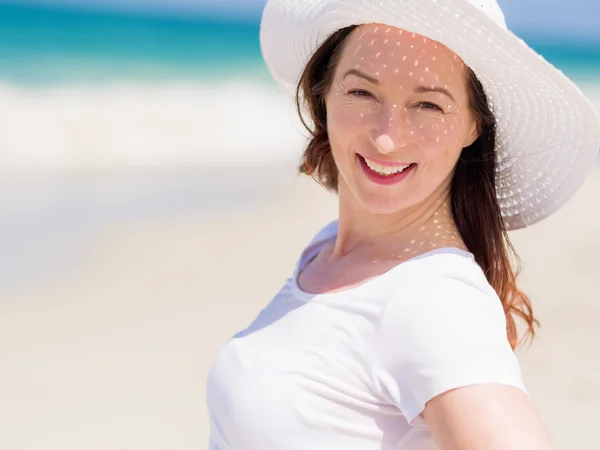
(446, 275)
(447, 293)
(443, 328)
(457, 301)
(444, 313)
(443, 298)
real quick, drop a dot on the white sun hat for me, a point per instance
(547, 134)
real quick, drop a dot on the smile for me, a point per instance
(385, 174)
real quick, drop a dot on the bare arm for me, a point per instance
(490, 417)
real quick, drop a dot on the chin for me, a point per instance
(383, 205)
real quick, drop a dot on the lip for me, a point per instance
(385, 163)
(384, 180)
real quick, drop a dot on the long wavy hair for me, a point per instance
(475, 204)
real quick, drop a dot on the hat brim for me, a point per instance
(548, 132)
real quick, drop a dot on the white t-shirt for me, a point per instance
(354, 369)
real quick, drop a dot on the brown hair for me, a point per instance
(474, 201)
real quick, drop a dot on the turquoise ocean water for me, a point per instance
(43, 45)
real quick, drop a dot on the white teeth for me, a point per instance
(384, 170)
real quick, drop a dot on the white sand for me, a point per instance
(155, 124)
(113, 354)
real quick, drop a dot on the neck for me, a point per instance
(407, 233)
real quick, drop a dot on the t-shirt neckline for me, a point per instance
(316, 247)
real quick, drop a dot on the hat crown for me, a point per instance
(490, 8)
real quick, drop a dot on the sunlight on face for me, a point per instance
(397, 97)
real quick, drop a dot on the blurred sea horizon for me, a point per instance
(113, 89)
(44, 45)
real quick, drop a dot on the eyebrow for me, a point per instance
(424, 89)
(358, 73)
(418, 90)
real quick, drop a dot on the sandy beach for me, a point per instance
(112, 350)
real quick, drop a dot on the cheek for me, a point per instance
(440, 132)
(441, 146)
(349, 116)
(346, 123)
(341, 130)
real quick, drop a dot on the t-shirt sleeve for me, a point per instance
(437, 334)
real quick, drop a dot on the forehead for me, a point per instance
(389, 50)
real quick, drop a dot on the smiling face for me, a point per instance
(398, 117)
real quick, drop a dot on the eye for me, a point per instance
(360, 93)
(430, 106)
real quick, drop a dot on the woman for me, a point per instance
(440, 131)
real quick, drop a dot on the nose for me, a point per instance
(391, 132)
(384, 144)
